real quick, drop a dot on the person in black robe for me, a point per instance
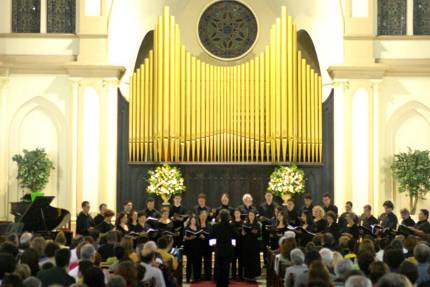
(423, 225)
(291, 213)
(165, 224)
(388, 219)
(106, 225)
(122, 223)
(351, 227)
(178, 214)
(225, 204)
(306, 223)
(206, 250)
(132, 220)
(308, 205)
(223, 232)
(150, 210)
(266, 213)
(201, 205)
(319, 224)
(236, 264)
(251, 230)
(141, 225)
(367, 219)
(348, 210)
(327, 204)
(278, 230)
(406, 218)
(128, 207)
(84, 221)
(99, 218)
(332, 226)
(246, 206)
(192, 249)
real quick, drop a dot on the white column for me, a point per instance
(3, 151)
(410, 17)
(342, 145)
(375, 151)
(43, 16)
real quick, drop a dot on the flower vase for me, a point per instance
(285, 197)
(165, 199)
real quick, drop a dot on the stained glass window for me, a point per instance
(422, 17)
(61, 16)
(391, 17)
(26, 16)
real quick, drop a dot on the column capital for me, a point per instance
(341, 84)
(110, 82)
(3, 81)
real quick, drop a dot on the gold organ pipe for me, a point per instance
(267, 109)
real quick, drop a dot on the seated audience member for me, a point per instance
(9, 247)
(410, 270)
(57, 274)
(341, 271)
(298, 267)
(165, 244)
(24, 241)
(87, 253)
(147, 256)
(12, 280)
(393, 257)
(358, 281)
(318, 271)
(94, 277)
(7, 264)
(32, 282)
(310, 257)
(38, 243)
(82, 267)
(364, 259)
(61, 239)
(50, 250)
(422, 255)
(394, 280)
(283, 260)
(376, 270)
(106, 250)
(128, 270)
(327, 258)
(84, 221)
(117, 281)
(30, 257)
(406, 218)
(127, 243)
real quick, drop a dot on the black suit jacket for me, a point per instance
(55, 275)
(224, 232)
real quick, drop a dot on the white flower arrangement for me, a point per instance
(287, 180)
(165, 181)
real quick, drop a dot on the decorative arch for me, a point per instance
(51, 111)
(402, 114)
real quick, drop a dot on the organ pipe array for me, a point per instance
(185, 110)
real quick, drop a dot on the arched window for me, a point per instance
(421, 17)
(61, 16)
(26, 16)
(392, 17)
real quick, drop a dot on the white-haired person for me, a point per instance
(298, 267)
(247, 205)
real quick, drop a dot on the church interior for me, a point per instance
(223, 91)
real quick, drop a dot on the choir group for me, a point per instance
(256, 228)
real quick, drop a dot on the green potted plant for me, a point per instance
(34, 168)
(412, 171)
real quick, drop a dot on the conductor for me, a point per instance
(223, 232)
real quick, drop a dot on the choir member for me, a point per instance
(165, 224)
(319, 224)
(236, 265)
(367, 219)
(327, 204)
(141, 223)
(351, 227)
(308, 205)
(100, 217)
(223, 232)
(332, 226)
(291, 213)
(178, 214)
(267, 209)
(106, 224)
(306, 220)
(206, 250)
(348, 210)
(122, 223)
(192, 249)
(225, 204)
(201, 204)
(423, 224)
(278, 231)
(128, 207)
(84, 221)
(150, 209)
(388, 219)
(247, 205)
(132, 222)
(406, 218)
(250, 246)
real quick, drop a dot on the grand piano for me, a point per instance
(39, 216)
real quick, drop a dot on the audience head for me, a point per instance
(127, 269)
(88, 252)
(318, 271)
(289, 234)
(311, 256)
(9, 247)
(393, 257)
(51, 248)
(326, 257)
(32, 282)
(394, 280)
(94, 277)
(377, 269)
(422, 253)
(410, 270)
(85, 206)
(117, 281)
(342, 268)
(286, 246)
(84, 266)
(7, 264)
(12, 280)
(25, 239)
(165, 242)
(358, 281)
(297, 256)
(31, 258)
(365, 258)
(62, 257)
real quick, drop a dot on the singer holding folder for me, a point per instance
(223, 232)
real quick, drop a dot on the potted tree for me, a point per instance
(34, 168)
(412, 171)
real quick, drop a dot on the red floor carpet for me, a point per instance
(232, 284)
